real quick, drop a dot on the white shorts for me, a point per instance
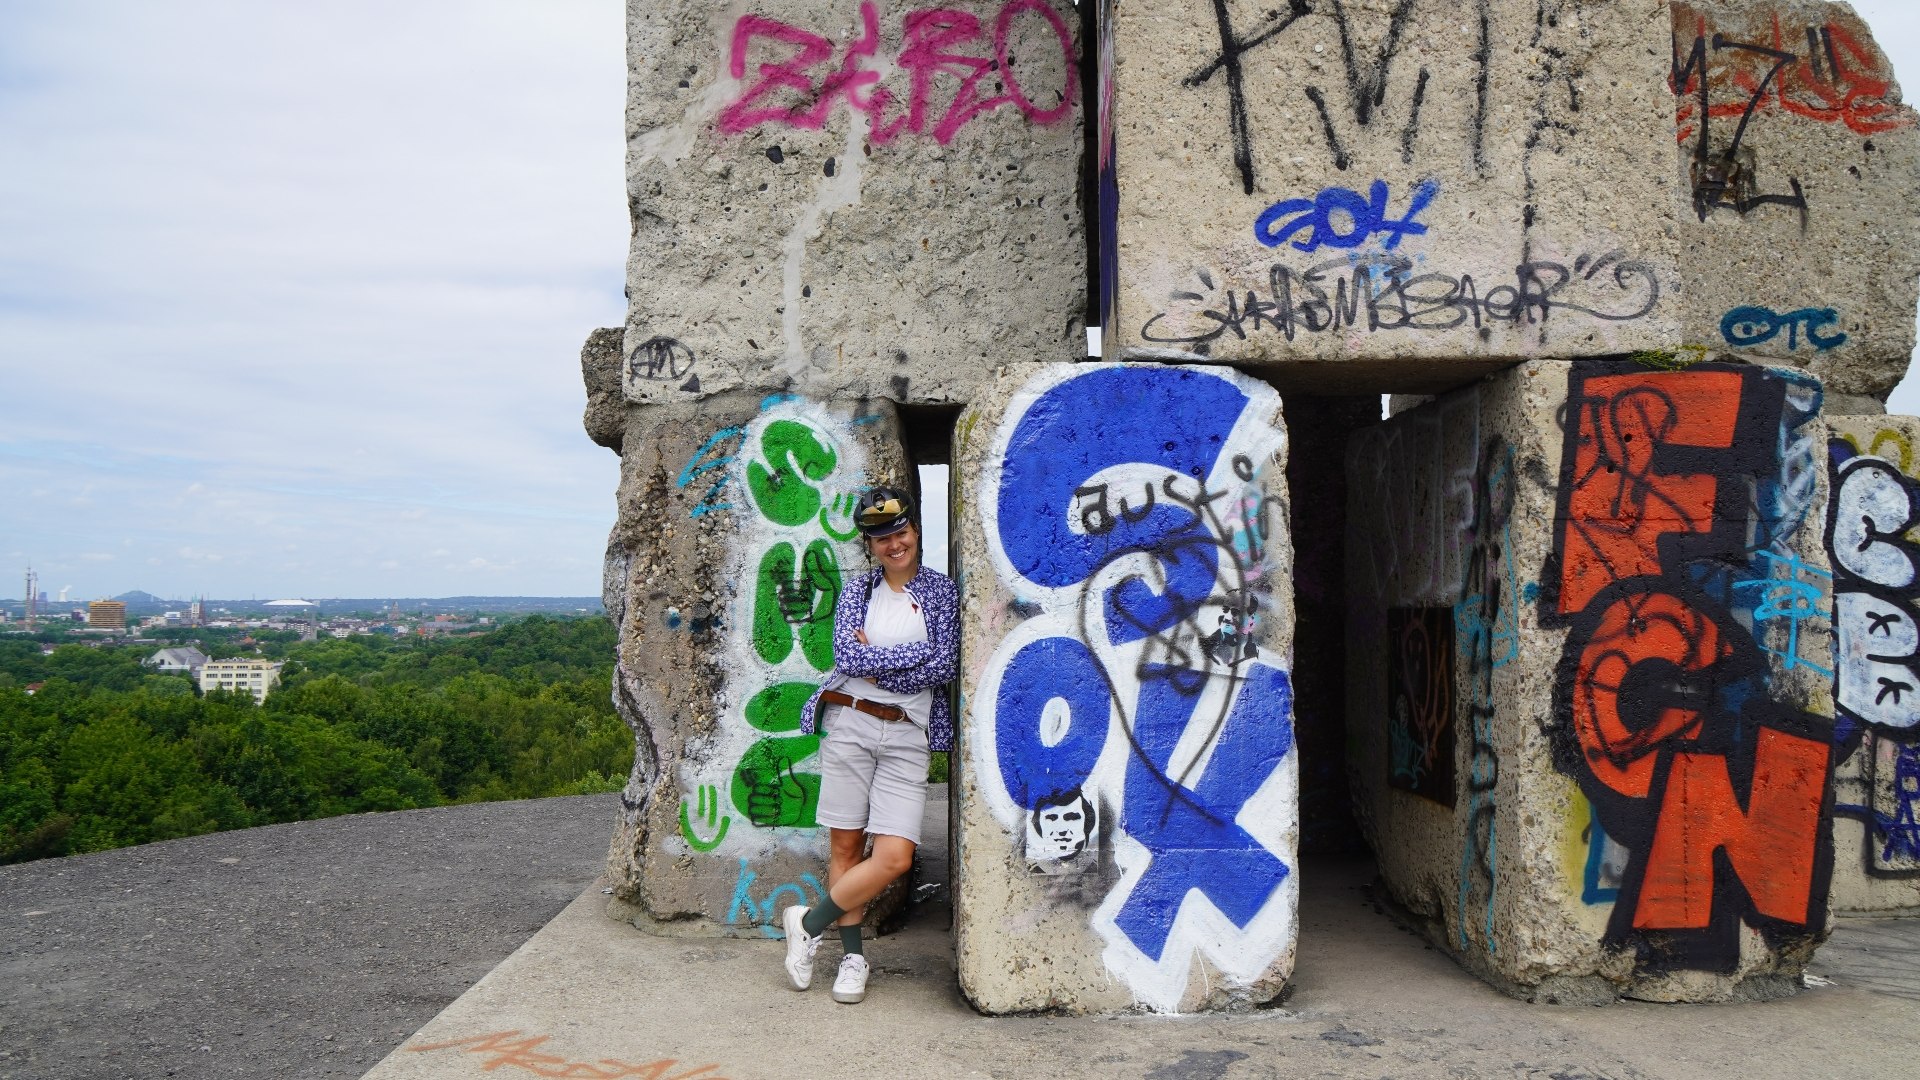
(873, 774)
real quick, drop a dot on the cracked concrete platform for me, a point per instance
(248, 979)
(589, 997)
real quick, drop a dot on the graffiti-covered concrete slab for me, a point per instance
(1872, 512)
(1800, 165)
(1389, 194)
(851, 199)
(1590, 676)
(724, 568)
(1128, 783)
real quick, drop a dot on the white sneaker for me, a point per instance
(851, 984)
(800, 947)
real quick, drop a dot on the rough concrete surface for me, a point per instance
(606, 415)
(1494, 177)
(725, 565)
(1520, 553)
(110, 1002)
(1369, 1000)
(1876, 824)
(1796, 242)
(846, 209)
(300, 950)
(1129, 809)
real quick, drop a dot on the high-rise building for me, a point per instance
(107, 615)
(197, 613)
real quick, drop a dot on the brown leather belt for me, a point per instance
(892, 714)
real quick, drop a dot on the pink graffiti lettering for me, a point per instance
(933, 40)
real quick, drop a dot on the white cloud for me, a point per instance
(316, 276)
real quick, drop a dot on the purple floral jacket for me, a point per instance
(903, 669)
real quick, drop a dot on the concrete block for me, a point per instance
(848, 199)
(1390, 194)
(1802, 168)
(1126, 772)
(606, 416)
(1872, 512)
(734, 533)
(1590, 684)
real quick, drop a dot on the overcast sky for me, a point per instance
(291, 296)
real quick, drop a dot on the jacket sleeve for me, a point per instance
(850, 657)
(942, 662)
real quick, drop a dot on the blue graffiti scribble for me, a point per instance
(1594, 889)
(762, 913)
(1366, 215)
(1189, 828)
(1169, 418)
(1792, 598)
(1752, 325)
(700, 463)
(1902, 828)
(1110, 464)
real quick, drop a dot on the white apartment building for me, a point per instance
(254, 676)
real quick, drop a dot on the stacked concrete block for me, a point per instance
(1873, 509)
(1799, 162)
(1390, 194)
(734, 535)
(1590, 676)
(851, 200)
(1126, 772)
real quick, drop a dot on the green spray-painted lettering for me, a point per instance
(792, 602)
(767, 787)
(797, 455)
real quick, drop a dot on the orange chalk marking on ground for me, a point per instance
(512, 1049)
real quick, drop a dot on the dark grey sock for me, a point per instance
(820, 916)
(850, 940)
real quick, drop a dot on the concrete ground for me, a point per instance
(313, 949)
(305, 950)
(589, 997)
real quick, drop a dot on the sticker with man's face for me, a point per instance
(1062, 826)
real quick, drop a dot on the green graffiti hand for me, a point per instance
(768, 789)
(795, 451)
(789, 604)
(766, 786)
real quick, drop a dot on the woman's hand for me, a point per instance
(862, 635)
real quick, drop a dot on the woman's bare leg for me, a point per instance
(847, 847)
(853, 887)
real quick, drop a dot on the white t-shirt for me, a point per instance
(894, 618)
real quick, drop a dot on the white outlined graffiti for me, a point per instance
(1125, 507)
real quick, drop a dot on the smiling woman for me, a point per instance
(881, 712)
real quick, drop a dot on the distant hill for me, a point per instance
(142, 598)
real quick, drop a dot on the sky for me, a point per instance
(292, 296)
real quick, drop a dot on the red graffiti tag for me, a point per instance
(933, 52)
(1830, 73)
(1770, 844)
(1670, 727)
(1620, 506)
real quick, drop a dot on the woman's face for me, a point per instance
(899, 552)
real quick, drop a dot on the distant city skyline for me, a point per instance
(291, 298)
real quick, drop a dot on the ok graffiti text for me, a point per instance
(1125, 513)
(1384, 292)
